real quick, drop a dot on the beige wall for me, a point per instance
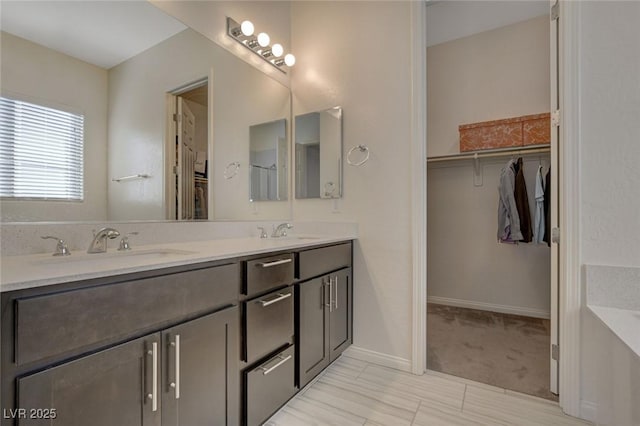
(37, 74)
(357, 55)
(495, 74)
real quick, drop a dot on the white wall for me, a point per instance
(243, 96)
(609, 149)
(34, 73)
(209, 19)
(338, 46)
(492, 75)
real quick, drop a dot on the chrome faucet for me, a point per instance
(281, 230)
(99, 243)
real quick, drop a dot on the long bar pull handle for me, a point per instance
(335, 293)
(177, 366)
(281, 296)
(330, 304)
(274, 263)
(266, 371)
(153, 396)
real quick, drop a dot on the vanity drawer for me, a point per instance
(269, 386)
(66, 323)
(268, 272)
(269, 323)
(316, 262)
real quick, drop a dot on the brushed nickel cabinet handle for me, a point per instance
(153, 396)
(274, 263)
(335, 293)
(266, 371)
(280, 297)
(330, 304)
(177, 366)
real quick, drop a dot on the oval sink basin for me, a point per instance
(150, 254)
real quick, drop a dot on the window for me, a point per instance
(40, 152)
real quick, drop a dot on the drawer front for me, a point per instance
(320, 261)
(269, 323)
(269, 272)
(65, 323)
(269, 386)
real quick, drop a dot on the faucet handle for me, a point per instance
(61, 247)
(263, 233)
(124, 242)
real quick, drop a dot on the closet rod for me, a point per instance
(494, 153)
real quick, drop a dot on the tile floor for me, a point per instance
(353, 392)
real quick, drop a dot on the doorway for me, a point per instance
(492, 307)
(188, 145)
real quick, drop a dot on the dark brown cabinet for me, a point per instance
(325, 321)
(180, 376)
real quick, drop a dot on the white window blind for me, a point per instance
(40, 152)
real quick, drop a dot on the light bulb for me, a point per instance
(247, 28)
(289, 60)
(277, 50)
(263, 39)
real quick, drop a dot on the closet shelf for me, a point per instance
(492, 153)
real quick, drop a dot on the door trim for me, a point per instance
(418, 69)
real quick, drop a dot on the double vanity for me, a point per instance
(200, 333)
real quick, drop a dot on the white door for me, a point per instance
(555, 198)
(185, 155)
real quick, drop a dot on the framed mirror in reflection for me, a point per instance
(318, 154)
(268, 161)
(139, 77)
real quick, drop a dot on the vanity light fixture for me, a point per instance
(259, 44)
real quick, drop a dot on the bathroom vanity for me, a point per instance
(207, 338)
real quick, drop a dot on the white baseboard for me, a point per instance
(378, 358)
(503, 309)
(588, 410)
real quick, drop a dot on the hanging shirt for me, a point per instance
(538, 222)
(522, 203)
(508, 219)
(547, 209)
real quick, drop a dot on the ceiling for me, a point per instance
(103, 33)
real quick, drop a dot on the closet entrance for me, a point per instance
(492, 155)
(188, 145)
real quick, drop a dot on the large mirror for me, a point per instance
(165, 109)
(268, 161)
(318, 151)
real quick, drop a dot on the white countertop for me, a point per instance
(29, 271)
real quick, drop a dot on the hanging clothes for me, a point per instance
(508, 219)
(522, 203)
(547, 209)
(538, 222)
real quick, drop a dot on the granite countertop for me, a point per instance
(37, 270)
(613, 296)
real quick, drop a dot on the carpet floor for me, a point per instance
(502, 350)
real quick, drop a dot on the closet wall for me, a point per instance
(492, 75)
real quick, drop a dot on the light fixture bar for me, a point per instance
(258, 44)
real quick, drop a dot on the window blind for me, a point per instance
(41, 152)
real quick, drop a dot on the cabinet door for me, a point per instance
(111, 387)
(313, 333)
(200, 371)
(340, 317)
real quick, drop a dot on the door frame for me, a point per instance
(569, 280)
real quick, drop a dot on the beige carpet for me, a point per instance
(507, 351)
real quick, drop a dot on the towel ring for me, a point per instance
(231, 170)
(362, 148)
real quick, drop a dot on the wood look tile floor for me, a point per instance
(353, 392)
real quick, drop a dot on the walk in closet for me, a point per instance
(489, 94)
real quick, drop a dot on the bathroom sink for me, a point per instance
(84, 258)
(298, 238)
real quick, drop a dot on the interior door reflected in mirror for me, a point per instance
(268, 161)
(319, 154)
